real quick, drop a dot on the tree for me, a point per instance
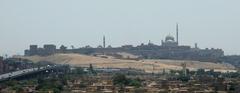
(135, 82)
(79, 71)
(18, 88)
(184, 78)
(200, 72)
(50, 84)
(91, 70)
(122, 80)
(119, 79)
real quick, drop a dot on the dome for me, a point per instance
(169, 38)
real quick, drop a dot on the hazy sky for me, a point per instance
(210, 23)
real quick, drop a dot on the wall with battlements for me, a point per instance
(149, 51)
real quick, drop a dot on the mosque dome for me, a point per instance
(169, 38)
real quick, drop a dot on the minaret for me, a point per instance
(104, 43)
(177, 33)
(149, 42)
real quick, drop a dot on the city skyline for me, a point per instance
(81, 23)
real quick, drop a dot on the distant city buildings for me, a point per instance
(169, 49)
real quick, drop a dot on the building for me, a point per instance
(33, 49)
(169, 42)
(47, 49)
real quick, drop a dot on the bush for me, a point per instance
(135, 83)
(120, 79)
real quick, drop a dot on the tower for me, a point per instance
(104, 43)
(196, 45)
(177, 33)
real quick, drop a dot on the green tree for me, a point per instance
(18, 88)
(91, 70)
(120, 79)
(135, 82)
(200, 72)
(78, 71)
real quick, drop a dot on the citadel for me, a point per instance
(169, 49)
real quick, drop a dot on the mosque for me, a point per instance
(170, 41)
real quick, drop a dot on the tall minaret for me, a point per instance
(177, 33)
(104, 43)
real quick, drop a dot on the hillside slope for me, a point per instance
(147, 65)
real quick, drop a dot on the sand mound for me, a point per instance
(146, 65)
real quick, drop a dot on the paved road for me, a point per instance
(24, 72)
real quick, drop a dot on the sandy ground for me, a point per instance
(146, 65)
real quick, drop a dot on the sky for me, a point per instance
(210, 23)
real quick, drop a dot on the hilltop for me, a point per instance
(145, 64)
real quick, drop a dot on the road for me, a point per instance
(24, 72)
